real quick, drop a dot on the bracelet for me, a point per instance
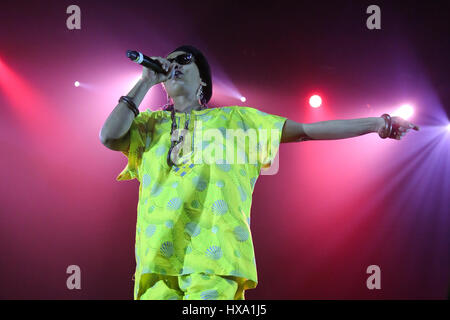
(130, 104)
(387, 130)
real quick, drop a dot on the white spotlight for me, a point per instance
(405, 111)
(77, 84)
(448, 127)
(243, 99)
(315, 101)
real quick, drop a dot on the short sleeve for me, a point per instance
(140, 136)
(269, 128)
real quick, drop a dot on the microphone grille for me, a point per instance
(133, 55)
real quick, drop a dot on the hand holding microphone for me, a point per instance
(155, 69)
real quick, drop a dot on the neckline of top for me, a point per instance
(197, 112)
(194, 112)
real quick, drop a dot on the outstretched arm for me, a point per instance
(339, 129)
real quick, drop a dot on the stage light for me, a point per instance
(77, 84)
(315, 101)
(243, 99)
(405, 111)
(448, 127)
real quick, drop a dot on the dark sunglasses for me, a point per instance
(184, 58)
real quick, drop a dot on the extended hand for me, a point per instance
(400, 127)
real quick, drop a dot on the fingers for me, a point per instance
(410, 125)
(406, 124)
(170, 71)
(401, 127)
(403, 130)
(164, 63)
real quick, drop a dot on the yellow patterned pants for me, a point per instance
(194, 286)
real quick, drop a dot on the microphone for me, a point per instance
(145, 61)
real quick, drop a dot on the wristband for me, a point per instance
(387, 130)
(130, 104)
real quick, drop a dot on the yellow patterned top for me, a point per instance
(195, 216)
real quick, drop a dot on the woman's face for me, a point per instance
(187, 83)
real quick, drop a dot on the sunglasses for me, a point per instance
(184, 58)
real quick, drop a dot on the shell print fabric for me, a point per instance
(195, 216)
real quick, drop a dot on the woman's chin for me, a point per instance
(173, 85)
(174, 81)
(175, 89)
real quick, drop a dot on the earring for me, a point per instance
(201, 98)
(168, 103)
(199, 93)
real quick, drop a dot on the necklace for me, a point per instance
(176, 143)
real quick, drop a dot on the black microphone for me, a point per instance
(142, 59)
